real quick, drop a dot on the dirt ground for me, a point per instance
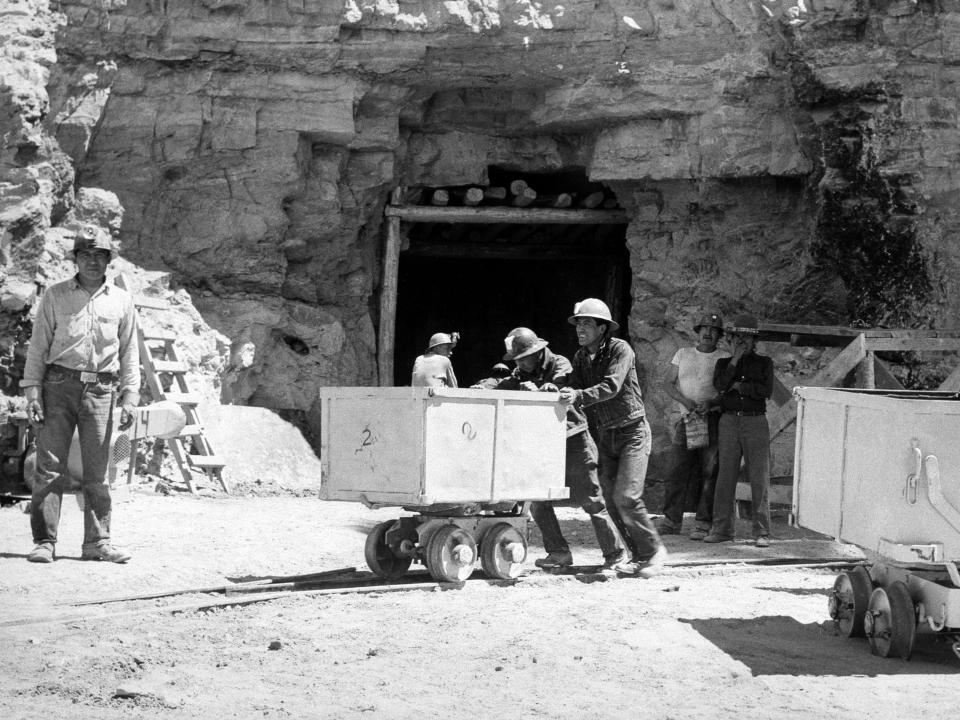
(710, 642)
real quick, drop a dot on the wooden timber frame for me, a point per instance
(858, 356)
(396, 213)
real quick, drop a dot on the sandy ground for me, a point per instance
(734, 641)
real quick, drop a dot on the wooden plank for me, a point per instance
(915, 344)
(161, 335)
(388, 300)
(952, 383)
(151, 303)
(190, 431)
(184, 398)
(842, 331)
(170, 366)
(866, 374)
(507, 215)
(205, 461)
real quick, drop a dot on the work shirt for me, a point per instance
(755, 375)
(553, 369)
(90, 333)
(607, 385)
(433, 370)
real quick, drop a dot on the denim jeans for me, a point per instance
(581, 478)
(747, 437)
(69, 404)
(624, 453)
(694, 477)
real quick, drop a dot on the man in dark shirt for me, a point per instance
(604, 383)
(539, 369)
(744, 381)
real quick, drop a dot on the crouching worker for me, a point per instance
(604, 383)
(82, 356)
(538, 369)
(433, 368)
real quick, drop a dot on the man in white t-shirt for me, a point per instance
(689, 381)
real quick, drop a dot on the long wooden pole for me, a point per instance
(388, 297)
(507, 215)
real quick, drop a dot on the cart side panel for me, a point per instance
(371, 446)
(459, 443)
(531, 451)
(819, 466)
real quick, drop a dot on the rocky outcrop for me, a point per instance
(789, 158)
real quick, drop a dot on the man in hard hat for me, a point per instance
(604, 383)
(82, 356)
(689, 381)
(539, 369)
(433, 368)
(744, 381)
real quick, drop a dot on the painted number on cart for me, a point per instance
(468, 431)
(366, 439)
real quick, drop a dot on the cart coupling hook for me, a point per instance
(913, 479)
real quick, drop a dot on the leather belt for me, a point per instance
(744, 413)
(82, 375)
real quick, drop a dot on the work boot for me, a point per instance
(559, 559)
(699, 533)
(610, 564)
(762, 541)
(714, 538)
(653, 565)
(666, 526)
(41, 553)
(105, 552)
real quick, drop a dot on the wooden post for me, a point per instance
(866, 377)
(388, 298)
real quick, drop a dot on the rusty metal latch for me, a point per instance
(913, 478)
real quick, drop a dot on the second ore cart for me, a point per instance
(464, 461)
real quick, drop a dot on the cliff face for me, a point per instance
(795, 159)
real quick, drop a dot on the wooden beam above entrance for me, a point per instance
(506, 215)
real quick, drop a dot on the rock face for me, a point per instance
(794, 159)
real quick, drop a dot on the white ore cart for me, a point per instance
(881, 469)
(465, 461)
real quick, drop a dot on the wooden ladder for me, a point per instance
(201, 456)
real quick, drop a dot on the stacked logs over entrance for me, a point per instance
(517, 194)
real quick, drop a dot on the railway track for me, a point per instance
(349, 580)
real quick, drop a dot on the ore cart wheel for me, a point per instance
(502, 552)
(849, 600)
(451, 554)
(380, 557)
(891, 622)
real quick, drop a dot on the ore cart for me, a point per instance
(881, 469)
(465, 462)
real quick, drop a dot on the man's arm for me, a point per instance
(723, 374)
(618, 368)
(129, 365)
(35, 366)
(671, 389)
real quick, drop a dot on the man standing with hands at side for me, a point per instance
(82, 354)
(604, 383)
(744, 381)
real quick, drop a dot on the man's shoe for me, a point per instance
(42, 553)
(698, 534)
(555, 560)
(714, 538)
(653, 565)
(611, 564)
(763, 541)
(107, 553)
(667, 527)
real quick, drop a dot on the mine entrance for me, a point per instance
(483, 278)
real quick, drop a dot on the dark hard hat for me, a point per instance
(522, 342)
(744, 324)
(714, 320)
(593, 308)
(90, 237)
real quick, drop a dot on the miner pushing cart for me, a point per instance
(881, 469)
(464, 462)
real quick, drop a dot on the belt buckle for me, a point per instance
(89, 377)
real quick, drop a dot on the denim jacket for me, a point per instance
(553, 369)
(607, 387)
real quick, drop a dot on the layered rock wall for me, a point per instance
(795, 159)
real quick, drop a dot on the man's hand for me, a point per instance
(34, 405)
(528, 385)
(127, 411)
(549, 387)
(568, 396)
(701, 407)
